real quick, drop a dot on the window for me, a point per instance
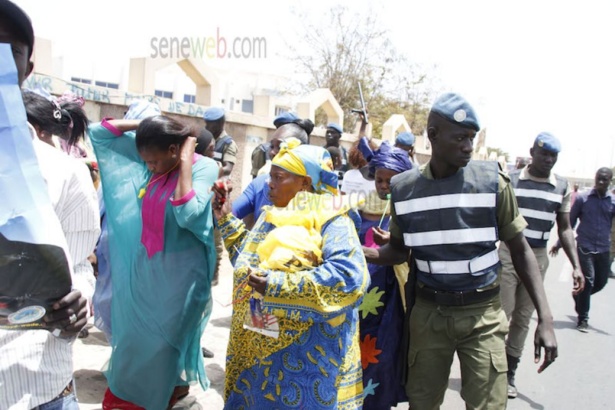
(279, 110)
(164, 94)
(107, 85)
(247, 106)
(189, 98)
(80, 80)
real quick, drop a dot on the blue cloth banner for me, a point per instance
(34, 267)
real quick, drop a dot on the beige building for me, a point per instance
(187, 87)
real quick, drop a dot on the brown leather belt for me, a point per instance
(67, 390)
(452, 298)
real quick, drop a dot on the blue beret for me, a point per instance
(547, 141)
(457, 110)
(213, 114)
(285, 118)
(405, 138)
(336, 127)
(141, 109)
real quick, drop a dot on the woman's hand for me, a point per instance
(258, 282)
(220, 203)
(381, 237)
(186, 152)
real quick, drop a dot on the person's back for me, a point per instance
(259, 157)
(36, 366)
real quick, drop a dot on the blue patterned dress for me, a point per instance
(315, 361)
(382, 316)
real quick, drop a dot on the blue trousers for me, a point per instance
(596, 269)
(68, 402)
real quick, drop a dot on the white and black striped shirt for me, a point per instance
(36, 366)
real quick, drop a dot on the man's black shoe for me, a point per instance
(583, 326)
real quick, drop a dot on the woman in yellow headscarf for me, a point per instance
(294, 334)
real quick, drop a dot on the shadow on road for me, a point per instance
(454, 384)
(591, 328)
(216, 375)
(91, 386)
(565, 324)
(222, 322)
(529, 401)
(95, 338)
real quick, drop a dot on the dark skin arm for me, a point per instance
(222, 207)
(63, 309)
(527, 268)
(393, 253)
(381, 237)
(227, 168)
(258, 282)
(566, 239)
(125, 125)
(363, 125)
(249, 221)
(184, 184)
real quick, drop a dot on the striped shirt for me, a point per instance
(35, 365)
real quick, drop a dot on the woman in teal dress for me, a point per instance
(158, 201)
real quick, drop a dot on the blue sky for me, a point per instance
(526, 66)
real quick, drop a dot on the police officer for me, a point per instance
(225, 150)
(543, 199)
(333, 135)
(405, 140)
(451, 212)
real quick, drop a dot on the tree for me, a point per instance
(343, 49)
(499, 152)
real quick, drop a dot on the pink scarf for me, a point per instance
(153, 211)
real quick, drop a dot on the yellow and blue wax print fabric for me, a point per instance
(315, 362)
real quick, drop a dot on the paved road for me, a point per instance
(583, 376)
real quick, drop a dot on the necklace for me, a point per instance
(143, 190)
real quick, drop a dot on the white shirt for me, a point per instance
(36, 366)
(354, 183)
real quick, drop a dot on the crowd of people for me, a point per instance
(357, 273)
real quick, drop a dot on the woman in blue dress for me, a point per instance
(382, 310)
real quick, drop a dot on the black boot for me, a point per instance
(513, 362)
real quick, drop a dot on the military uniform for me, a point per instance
(452, 226)
(225, 150)
(540, 200)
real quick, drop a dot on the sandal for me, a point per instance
(179, 393)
